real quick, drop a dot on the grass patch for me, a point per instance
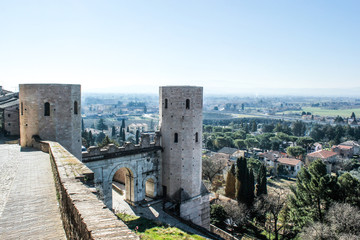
(148, 229)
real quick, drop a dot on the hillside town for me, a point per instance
(254, 167)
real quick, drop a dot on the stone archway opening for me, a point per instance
(150, 192)
(122, 188)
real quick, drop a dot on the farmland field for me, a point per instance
(327, 112)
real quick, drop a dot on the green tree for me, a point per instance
(123, 123)
(82, 125)
(305, 142)
(295, 151)
(349, 189)
(251, 142)
(298, 128)
(217, 215)
(244, 182)
(137, 136)
(91, 139)
(101, 125)
(230, 189)
(253, 126)
(123, 135)
(113, 131)
(240, 143)
(100, 137)
(261, 186)
(312, 195)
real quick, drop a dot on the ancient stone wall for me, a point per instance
(83, 215)
(11, 119)
(51, 111)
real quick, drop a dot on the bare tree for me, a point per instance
(271, 206)
(342, 222)
(238, 213)
(212, 167)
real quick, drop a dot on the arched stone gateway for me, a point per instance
(132, 165)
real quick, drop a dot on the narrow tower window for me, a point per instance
(196, 137)
(47, 109)
(176, 138)
(187, 103)
(22, 108)
(75, 107)
(166, 103)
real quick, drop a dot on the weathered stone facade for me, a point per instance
(11, 119)
(181, 135)
(139, 163)
(51, 111)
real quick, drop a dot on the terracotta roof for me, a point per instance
(344, 147)
(350, 143)
(289, 161)
(322, 154)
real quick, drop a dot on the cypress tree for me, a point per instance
(242, 180)
(230, 183)
(251, 189)
(123, 123)
(261, 187)
(137, 136)
(82, 125)
(123, 135)
(113, 131)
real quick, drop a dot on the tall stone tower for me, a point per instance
(181, 133)
(51, 111)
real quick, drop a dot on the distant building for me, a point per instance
(354, 144)
(344, 151)
(328, 157)
(292, 165)
(142, 127)
(232, 153)
(271, 157)
(9, 113)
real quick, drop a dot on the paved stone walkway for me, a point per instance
(28, 204)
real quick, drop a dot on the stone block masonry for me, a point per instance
(83, 215)
(52, 112)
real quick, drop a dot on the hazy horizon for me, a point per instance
(246, 47)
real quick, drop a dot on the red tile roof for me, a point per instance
(289, 161)
(322, 154)
(344, 147)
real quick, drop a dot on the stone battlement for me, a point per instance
(112, 151)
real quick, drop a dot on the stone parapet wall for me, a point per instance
(222, 233)
(112, 151)
(84, 216)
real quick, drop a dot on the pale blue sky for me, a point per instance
(225, 46)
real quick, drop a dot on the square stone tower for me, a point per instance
(180, 112)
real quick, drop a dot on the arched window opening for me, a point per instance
(176, 138)
(22, 108)
(166, 103)
(196, 137)
(187, 103)
(75, 107)
(47, 109)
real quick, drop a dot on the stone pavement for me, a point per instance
(28, 204)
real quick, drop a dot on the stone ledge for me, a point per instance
(83, 215)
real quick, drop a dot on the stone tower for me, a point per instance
(181, 133)
(51, 111)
